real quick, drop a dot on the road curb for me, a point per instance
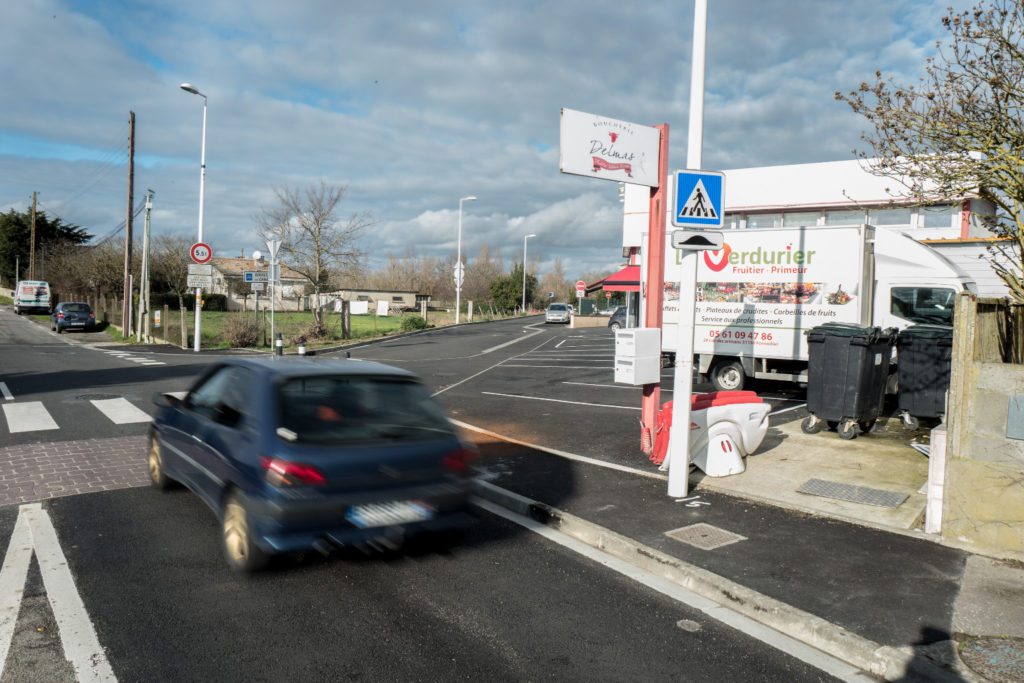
(890, 663)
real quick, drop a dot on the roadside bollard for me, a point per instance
(302, 349)
(279, 345)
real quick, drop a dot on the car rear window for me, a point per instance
(341, 409)
(557, 307)
(76, 308)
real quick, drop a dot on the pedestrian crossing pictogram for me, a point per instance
(698, 199)
(698, 205)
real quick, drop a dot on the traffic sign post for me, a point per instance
(201, 253)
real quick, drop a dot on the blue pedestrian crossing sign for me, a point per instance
(699, 196)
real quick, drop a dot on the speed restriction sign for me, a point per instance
(200, 252)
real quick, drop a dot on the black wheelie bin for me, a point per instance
(924, 356)
(848, 368)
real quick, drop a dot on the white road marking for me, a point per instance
(31, 416)
(6, 392)
(562, 454)
(34, 530)
(12, 582)
(508, 343)
(724, 615)
(557, 400)
(121, 411)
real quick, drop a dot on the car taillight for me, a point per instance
(92, 316)
(459, 459)
(60, 315)
(285, 473)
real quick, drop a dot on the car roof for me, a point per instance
(300, 367)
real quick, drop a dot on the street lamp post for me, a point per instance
(460, 271)
(189, 88)
(524, 270)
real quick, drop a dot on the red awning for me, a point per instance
(626, 280)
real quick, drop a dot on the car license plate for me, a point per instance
(388, 514)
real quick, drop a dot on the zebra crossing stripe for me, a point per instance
(121, 411)
(31, 416)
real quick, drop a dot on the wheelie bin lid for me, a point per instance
(842, 330)
(939, 334)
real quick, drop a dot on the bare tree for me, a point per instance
(314, 240)
(959, 131)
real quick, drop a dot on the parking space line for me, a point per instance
(6, 392)
(558, 400)
(562, 454)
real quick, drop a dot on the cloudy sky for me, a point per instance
(414, 104)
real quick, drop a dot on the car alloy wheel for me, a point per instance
(155, 464)
(242, 554)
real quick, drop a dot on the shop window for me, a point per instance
(764, 220)
(845, 217)
(938, 216)
(797, 219)
(889, 217)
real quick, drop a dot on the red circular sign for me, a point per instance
(200, 252)
(581, 284)
(607, 295)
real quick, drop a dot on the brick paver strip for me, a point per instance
(34, 472)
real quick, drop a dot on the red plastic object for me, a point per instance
(661, 435)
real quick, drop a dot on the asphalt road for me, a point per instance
(503, 603)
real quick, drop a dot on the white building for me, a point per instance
(842, 193)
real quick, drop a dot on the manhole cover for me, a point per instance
(704, 536)
(997, 659)
(854, 494)
(97, 397)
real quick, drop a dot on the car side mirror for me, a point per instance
(161, 399)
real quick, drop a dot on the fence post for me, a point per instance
(346, 320)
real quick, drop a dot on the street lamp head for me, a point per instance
(468, 199)
(531, 235)
(188, 87)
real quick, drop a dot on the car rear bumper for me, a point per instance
(296, 526)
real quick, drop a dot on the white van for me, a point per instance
(32, 296)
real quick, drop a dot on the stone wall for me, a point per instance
(589, 321)
(983, 497)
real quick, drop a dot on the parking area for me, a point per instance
(557, 394)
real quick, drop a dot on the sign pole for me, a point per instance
(679, 442)
(654, 285)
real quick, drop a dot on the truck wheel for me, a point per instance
(847, 430)
(727, 375)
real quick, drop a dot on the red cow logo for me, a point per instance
(613, 136)
(723, 260)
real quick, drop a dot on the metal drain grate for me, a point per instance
(704, 536)
(854, 494)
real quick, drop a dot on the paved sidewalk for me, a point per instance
(39, 471)
(893, 603)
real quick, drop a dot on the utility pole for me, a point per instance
(143, 333)
(32, 243)
(126, 310)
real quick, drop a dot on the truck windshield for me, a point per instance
(930, 305)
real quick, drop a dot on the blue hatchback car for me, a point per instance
(301, 454)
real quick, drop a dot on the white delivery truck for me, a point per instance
(759, 294)
(31, 295)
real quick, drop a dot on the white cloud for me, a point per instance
(413, 105)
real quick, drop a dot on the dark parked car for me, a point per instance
(72, 315)
(618, 319)
(301, 454)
